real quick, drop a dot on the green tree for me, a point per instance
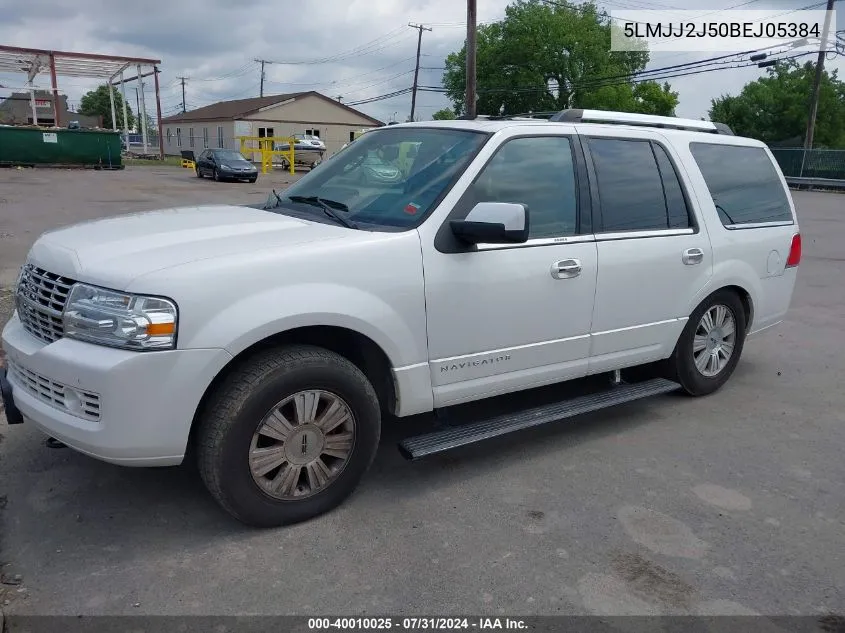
(151, 123)
(96, 103)
(446, 114)
(774, 108)
(549, 57)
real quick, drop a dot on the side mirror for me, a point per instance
(493, 223)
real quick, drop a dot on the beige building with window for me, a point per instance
(219, 124)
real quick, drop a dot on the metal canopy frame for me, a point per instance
(35, 61)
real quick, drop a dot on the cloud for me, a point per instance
(366, 46)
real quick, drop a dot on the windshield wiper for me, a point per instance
(326, 206)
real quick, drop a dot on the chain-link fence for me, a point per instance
(814, 163)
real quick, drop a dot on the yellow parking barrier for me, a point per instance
(188, 164)
(265, 148)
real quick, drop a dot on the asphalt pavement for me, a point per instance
(726, 505)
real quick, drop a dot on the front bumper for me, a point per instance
(13, 414)
(237, 174)
(129, 408)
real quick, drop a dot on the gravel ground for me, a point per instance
(731, 504)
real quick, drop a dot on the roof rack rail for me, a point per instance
(646, 120)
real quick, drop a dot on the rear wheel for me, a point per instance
(710, 346)
(288, 436)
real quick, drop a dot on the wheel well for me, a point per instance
(747, 304)
(360, 350)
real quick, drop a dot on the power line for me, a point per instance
(345, 81)
(238, 72)
(390, 95)
(597, 84)
(376, 45)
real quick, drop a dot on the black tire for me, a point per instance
(199, 173)
(236, 409)
(215, 175)
(253, 180)
(682, 365)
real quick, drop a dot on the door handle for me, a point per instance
(566, 269)
(693, 256)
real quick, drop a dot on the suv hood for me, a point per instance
(113, 251)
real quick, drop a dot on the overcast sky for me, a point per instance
(365, 46)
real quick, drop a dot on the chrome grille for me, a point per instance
(82, 404)
(41, 298)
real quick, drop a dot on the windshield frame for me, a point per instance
(364, 225)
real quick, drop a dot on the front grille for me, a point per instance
(82, 404)
(41, 298)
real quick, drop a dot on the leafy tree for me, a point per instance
(446, 114)
(96, 102)
(151, 123)
(549, 57)
(774, 108)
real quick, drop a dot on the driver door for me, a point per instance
(502, 318)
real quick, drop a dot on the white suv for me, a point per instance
(274, 340)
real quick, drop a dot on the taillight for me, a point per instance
(794, 251)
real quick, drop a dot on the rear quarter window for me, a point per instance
(743, 182)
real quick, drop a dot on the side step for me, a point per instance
(430, 443)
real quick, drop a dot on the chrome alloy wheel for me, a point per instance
(715, 338)
(302, 445)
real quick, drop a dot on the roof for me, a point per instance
(239, 108)
(15, 59)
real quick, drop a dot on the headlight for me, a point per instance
(116, 319)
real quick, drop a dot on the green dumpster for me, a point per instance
(60, 147)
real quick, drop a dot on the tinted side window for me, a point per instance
(743, 183)
(538, 172)
(630, 188)
(676, 204)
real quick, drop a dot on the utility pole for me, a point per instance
(419, 28)
(262, 62)
(183, 92)
(814, 99)
(137, 104)
(469, 99)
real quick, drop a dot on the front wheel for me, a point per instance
(709, 348)
(215, 175)
(288, 436)
(199, 172)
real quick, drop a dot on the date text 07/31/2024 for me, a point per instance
(412, 623)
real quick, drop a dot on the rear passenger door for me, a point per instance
(654, 255)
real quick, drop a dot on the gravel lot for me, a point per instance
(731, 504)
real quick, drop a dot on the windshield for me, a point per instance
(228, 154)
(387, 179)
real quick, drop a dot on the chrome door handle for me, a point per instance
(693, 256)
(566, 269)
